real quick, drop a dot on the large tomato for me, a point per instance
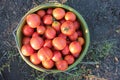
(26, 40)
(70, 59)
(62, 65)
(48, 43)
(34, 59)
(58, 13)
(56, 56)
(47, 19)
(41, 13)
(56, 25)
(70, 16)
(27, 50)
(33, 20)
(50, 33)
(27, 30)
(75, 47)
(59, 43)
(36, 42)
(67, 28)
(40, 29)
(48, 64)
(74, 36)
(45, 54)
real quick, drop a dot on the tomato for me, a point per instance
(58, 13)
(34, 59)
(35, 34)
(56, 25)
(33, 20)
(50, 33)
(27, 30)
(67, 28)
(70, 59)
(76, 24)
(49, 11)
(70, 16)
(45, 54)
(26, 40)
(48, 43)
(62, 21)
(74, 36)
(40, 29)
(62, 35)
(79, 33)
(62, 65)
(36, 42)
(59, 43)
(75, 47)
(48, 64)
(56, 56)
(66, 50)
(81, 40)
(27, 50)
(76, 55)
(47, 19)
(41, 13)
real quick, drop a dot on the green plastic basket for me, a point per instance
(84, 27)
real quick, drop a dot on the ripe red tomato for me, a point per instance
(76, 24)
(70, 59)
(33, 20)
(66, 50)
(58, 13)
(75, 47)
(50, 33)
(49, 11)
(76, 55)
(56, 25)
(48, 43)
(62, 65)
(70, 16)
(45, 54)
(47, 19)
(59, 43)
(56, 56)
(40, 29)
(27, 50)
(48, 64)
(41, 13)
(27, 30)
(67, 28)
(74, 36)
(34, 59)
(81, 40)
(35, 34)
(36, 42)
(26, 40)
(79, 33)
(62, 35)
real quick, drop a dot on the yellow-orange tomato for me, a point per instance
(58, 13)
(81, 40)
(70, 16)
(48, 64)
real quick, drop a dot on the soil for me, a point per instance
(102, 17)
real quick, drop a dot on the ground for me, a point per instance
(103, 19)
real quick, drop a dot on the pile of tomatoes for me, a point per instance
(52, 38)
